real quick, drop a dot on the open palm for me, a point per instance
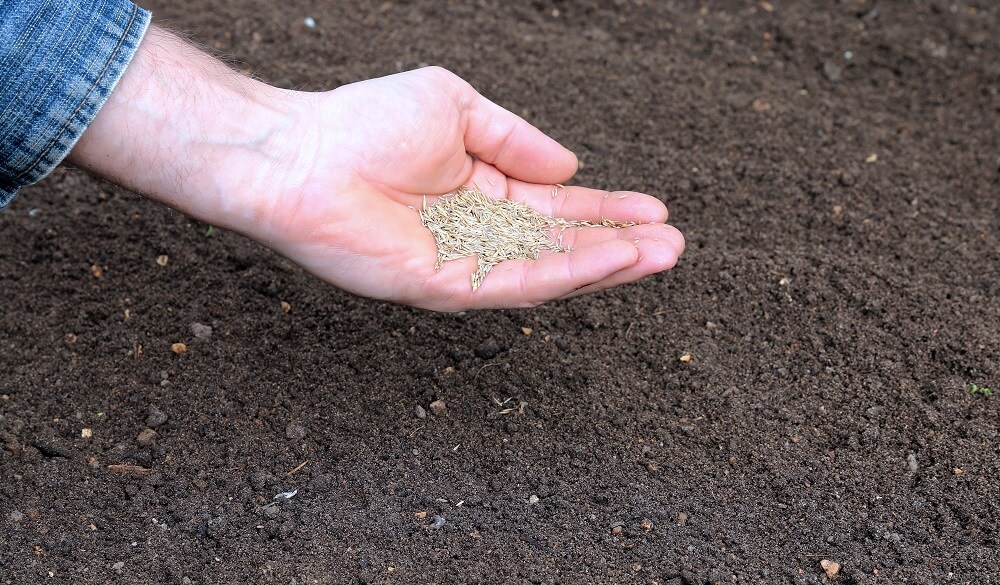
(380, 148)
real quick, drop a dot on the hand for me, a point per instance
(331, 180)
(376, 147)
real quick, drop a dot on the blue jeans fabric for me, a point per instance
(59, 61)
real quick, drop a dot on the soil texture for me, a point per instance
(796, 390)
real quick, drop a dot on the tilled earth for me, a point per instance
(796, 390)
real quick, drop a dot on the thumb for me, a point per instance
(505, 140)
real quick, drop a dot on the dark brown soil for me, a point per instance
(835, 310)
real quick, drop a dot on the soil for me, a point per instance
(836, 170)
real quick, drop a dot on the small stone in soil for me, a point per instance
(419, 412)
(295, 431)
(532, 499)
(831, 71)
(682, 519)
(201, 331)
(117, 567)
(831, 568)
(155, 417)
(911, 462)
(16, 516)
(146, 437)
(438, 523)
(438, 407)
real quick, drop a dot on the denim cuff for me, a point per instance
(59, 62)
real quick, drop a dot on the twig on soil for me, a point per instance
(297, 467)
(133, 469)
(487, 366)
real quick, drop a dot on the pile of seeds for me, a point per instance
(471, 223)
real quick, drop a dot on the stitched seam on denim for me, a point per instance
(97, 83)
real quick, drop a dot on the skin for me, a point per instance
(328, 179)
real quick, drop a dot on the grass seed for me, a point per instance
(470, 223)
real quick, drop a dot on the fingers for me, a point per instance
(525, 283)
(655, 255)
(601, 258)
(573, 203)
(582, 271)
(581, 203)
(659, 247)
(514, 146)
(584, 237)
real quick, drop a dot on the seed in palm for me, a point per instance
(470, 223)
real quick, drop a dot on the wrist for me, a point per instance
(183, 129)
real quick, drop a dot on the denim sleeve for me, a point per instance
(59, 61)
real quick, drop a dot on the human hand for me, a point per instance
(331, 179)
(375, 148)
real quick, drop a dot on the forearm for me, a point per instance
(185, 130)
